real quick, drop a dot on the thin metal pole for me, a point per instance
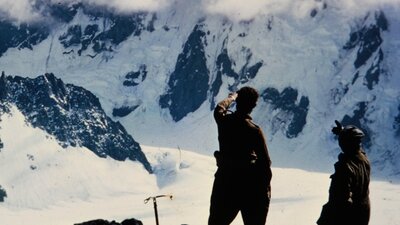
(155, 210)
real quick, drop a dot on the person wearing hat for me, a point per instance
(348, 202)
(242, 180)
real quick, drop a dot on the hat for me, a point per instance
(348, 132)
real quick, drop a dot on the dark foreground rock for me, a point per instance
(105, 222)
(3, 194)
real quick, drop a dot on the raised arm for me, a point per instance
(222, 107)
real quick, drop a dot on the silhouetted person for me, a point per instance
(348, 202)
(242, 180)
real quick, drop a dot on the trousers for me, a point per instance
(233, 193)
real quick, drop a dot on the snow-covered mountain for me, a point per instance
(69, 113)
(160, 72)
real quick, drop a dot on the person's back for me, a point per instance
(238, 137)
(242, 181)
(352, 170)
(349, 191)
(358, 167)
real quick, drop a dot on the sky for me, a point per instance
(24, 10)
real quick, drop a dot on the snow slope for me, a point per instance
(56, 186)
(37, 172)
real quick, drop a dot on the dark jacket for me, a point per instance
(349, 192)
(242, 144)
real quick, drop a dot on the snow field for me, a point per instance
(67, 186)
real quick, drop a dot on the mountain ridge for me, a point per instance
(71, 114)
(161, 73)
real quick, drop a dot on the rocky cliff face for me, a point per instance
(3, 194)
(71, 114)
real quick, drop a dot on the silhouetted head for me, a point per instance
(349, 137)
(246, 100)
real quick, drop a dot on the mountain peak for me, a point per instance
(71, 114)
